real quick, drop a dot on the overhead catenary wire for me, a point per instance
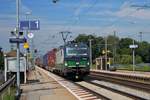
(120, 18)
(79, 14)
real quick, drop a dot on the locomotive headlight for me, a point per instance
(66, 64)
(88, 63)
(77, 63)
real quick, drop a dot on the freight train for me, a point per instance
(70, 60)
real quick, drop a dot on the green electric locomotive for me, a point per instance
(72, 60)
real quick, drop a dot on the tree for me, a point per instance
(82, 38)
(126, 59)
(1, 59)
(124, 46)
(112, 41)
(138, 59)
(96, 41)
(124, 53)
(143, 51)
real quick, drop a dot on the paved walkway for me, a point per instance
(42, 87)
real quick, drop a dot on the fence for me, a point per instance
(7, 90)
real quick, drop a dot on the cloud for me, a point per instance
(142, 14)
(127, 11)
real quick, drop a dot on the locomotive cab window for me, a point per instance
(76, 51)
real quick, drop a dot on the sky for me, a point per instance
(97, 17)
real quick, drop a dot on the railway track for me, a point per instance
(80, 92)
(89, 90)
(144, 86)
(115, 89)
(142, 89)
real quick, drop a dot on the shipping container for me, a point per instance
(49, 59)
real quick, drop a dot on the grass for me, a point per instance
(93, 66)
(129, 67)
(137, 68)
(10, 96)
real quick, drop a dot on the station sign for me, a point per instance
(24, 25)
(133, 46)
(35, 25)
(30, 25)
(17, 40)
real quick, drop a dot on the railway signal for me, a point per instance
(133, 47)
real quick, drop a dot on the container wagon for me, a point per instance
(49, 60)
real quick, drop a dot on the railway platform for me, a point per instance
(42, 87)
(121, 72)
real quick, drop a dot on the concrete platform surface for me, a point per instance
(42, 87)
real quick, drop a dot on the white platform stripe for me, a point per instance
(93, 97)
(73, 88)
(78, 92)
(89, 97)
(86, 95)
(82, 93)
(77, 89)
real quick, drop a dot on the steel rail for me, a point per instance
(6, 84)
(93, 92)
(74, 85)
(130, 83)
(118, 91)
(135, 78)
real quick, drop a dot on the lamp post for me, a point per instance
(90, 44)
(133, 47)
(106, 53)
(27, 30)
(133, 56)
(27, 14)
(18, 49)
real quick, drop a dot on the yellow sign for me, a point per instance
(26, 45)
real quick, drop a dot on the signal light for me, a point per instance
(20, 33)
(28, 50)
(35, 51)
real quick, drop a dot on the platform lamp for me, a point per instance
(13, 34)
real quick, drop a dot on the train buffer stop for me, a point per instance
(40, 86)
